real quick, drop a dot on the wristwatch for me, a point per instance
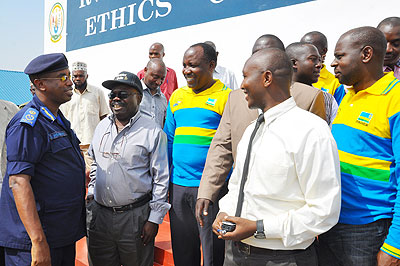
(259, 234)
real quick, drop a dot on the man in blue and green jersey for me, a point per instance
(193, 116)
(367, 132)
(326, 81)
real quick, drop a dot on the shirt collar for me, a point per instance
(88, 89)
(38, 104)
(275, 112)
(218, 85)
(131, 121)
(148, 89)
(381, 86)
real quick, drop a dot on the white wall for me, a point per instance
(234, 37)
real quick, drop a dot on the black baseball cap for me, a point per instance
(124, 78)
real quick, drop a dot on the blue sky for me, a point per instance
(21, 31)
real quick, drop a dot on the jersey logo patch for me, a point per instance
(176, 104)
(364, 118)
(30, 117)
(211, 101)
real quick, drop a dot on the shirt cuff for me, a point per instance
(156, 216)
(272, 228)
(390, 250)
(15, 168)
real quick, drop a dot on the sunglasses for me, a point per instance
(121, 95)
(63, 78)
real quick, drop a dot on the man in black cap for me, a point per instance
(129, 180)
(42, 209)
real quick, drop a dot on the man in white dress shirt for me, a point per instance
(292, 192)
(224, 74)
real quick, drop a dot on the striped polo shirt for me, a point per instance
(367, 132)
(192, 120)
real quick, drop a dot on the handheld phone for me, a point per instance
(227, 227)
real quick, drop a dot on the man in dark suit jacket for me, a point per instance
(235, 119)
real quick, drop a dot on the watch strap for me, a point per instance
(260, 226)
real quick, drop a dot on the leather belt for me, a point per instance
(248, 250)
(138, 202)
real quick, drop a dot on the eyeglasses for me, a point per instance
(120, 94)
(63, 78)
(119, 147)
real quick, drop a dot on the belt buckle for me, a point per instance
(244, 248)
(117, 209)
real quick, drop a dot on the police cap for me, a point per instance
(47, 63)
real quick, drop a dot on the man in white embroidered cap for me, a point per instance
(87, 107)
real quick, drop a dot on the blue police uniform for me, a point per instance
(44, 147)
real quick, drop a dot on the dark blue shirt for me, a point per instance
(45, 148)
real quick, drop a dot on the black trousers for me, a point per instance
(114, 239)
(239, 254)
(2, 262)
(186, 234)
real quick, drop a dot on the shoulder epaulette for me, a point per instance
(30, 116)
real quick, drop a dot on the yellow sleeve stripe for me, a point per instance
(395, 252)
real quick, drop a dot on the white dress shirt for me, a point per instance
(293, 183)
(226, 76)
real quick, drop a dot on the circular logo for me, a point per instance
(56, 22)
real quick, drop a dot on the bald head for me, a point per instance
(274, 60)
(211, 44)
(306, 62)
(361, 37)
(156, 50)
(297, 50)
(156, 63)
(267, 78)
(391, 21)
(359, 57)
(317, 39)
(267, 41)
(154, 74)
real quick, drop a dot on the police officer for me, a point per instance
(42, 208)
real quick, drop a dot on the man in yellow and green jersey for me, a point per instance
(193, 116)
(367, 132)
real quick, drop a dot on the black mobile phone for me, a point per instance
(227, 227)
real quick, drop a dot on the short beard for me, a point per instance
(81, 87)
